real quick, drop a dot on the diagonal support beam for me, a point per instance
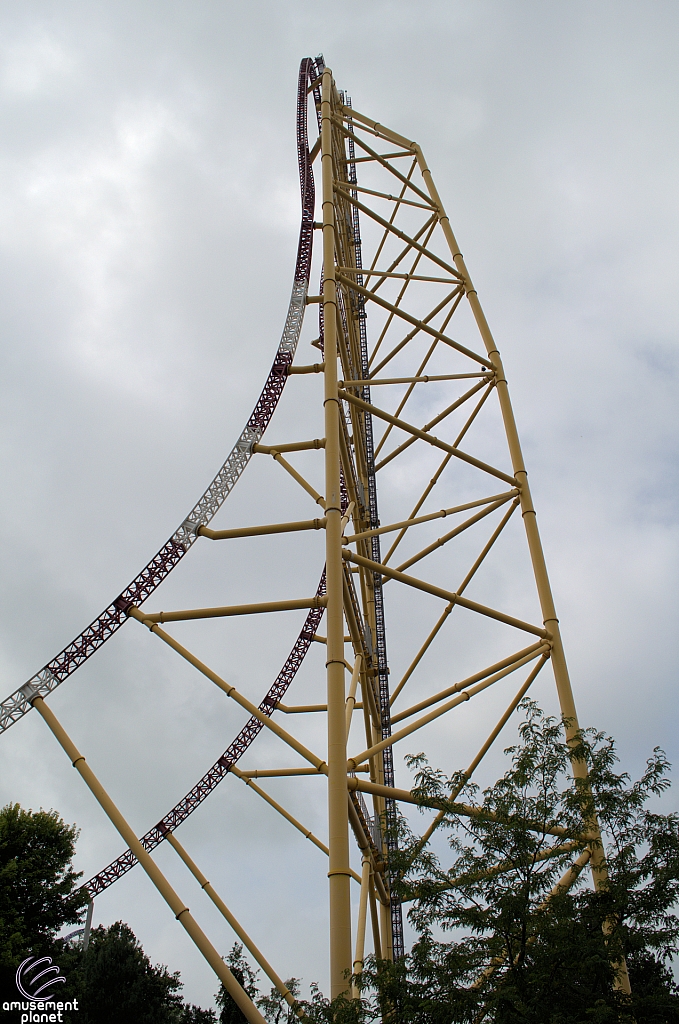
(407, 523)
(512, 662)
(432, 423)
(421, 325)
(424, 436)
(465, 810)
(221, 906)
(232, 692)
(446, 595)
(454, 533)
(465, 695)
(180, 911)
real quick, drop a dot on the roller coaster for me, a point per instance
(387, 260)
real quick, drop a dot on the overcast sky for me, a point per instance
(149, 211)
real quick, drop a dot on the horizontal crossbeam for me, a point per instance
(262, 531)
(317, 601)
(428, 379)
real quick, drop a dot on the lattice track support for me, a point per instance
(388, 261)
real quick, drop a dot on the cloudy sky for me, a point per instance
(149, 213)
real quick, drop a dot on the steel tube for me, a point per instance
(293, 446)
(299, 478)
(258, 531)
(512, 660)
(232, 692)
(481, 754)
(422, 651)
(464, 695)
(181, 912)
(466, 810)
(318, 601)
(362, 918)
(338, 823)
(421, 325)
(407, 523)
(446, 595)
(306, 832)
(237, 927)
(561, 674)
(428, 379)
(418, 556)
(435, 441)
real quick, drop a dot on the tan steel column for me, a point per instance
(181, 912)
(338, 819)
(561, 675)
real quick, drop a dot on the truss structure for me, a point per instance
(416, 408)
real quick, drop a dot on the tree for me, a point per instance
(38, 894)
(275, 1009)
(231, 1013)
(114, 980)
(526, 948)
(117, 982)
(191, 1014)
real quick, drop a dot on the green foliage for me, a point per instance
(525, 948)
(37, 882)
(245, 976)
(117, 981)
(501, 937)
(195, 1015)
(274, 1008)
(114, 980)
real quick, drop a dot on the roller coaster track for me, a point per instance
(161, 565)
(221, 768)
(409, 272)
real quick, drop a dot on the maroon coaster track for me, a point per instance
(220, 769)
(308, 73)
(161, 565)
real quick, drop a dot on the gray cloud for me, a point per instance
(149, 214)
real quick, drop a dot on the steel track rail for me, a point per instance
(161, 565)
(220, 769)
(391, 814)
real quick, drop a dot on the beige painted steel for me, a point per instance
(306, 832)
(180, 911)
(465, 695)
(235, 924)
(349, 600)
(362, 919)
(235, 609)
(424, 436)
(466, 810)
(293, 446)
(338, 822)
(514, 660)
(318, 498)
(446, 595)
(407, 523)
(232, 692)
(426, 836)
(258, 531)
